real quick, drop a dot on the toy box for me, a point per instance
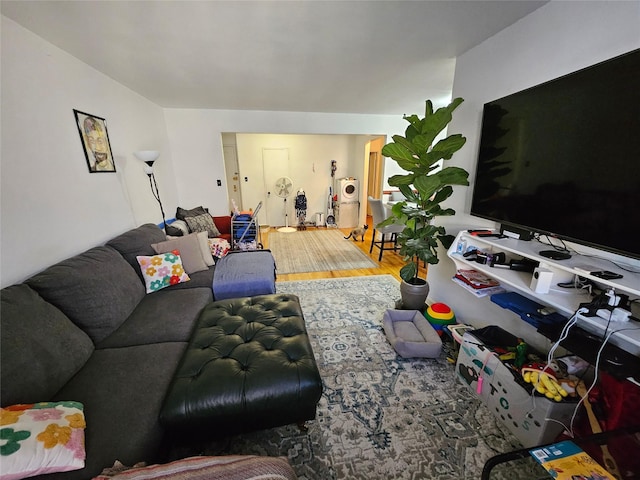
(533, 419)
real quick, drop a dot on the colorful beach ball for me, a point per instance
(440, 315)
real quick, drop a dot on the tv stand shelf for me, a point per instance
(565, 300)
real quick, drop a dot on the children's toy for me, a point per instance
(543, 378)
(440, 315)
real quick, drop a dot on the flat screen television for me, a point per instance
(563, 158)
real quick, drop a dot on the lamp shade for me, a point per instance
(147, 156)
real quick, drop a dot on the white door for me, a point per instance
(275, 162)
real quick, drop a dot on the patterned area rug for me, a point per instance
(316, 251)
(380, 416)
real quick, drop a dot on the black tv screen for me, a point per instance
(563, 157)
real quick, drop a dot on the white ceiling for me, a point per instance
(371, 57)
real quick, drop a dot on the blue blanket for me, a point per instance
(244, 274)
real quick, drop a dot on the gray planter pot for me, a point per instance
(414, 297)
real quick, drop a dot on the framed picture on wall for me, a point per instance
(95, 141)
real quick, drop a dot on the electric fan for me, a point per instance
(284, 187)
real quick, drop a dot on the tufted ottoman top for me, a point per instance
(249, 365)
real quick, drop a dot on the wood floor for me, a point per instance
(390, 264)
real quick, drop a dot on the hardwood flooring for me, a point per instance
(390, 264)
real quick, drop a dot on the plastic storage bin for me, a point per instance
(532, 419)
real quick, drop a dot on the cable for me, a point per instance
(595, 378)
(563, 335)
(549, 243)
(593, 384)
(565, 248)
(626, 268)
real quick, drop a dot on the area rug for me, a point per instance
(316, 251)
(380, 416)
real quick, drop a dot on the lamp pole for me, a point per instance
(156, 193)
(149, 157)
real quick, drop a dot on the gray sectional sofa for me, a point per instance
(84, 330)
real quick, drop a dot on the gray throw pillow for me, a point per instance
(203, 223)
(182, 214)
(190, 251)
(205, 248)
(178, 228)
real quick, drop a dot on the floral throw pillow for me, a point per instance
(162, 270)
(41, 438)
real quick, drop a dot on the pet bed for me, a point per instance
(410, 334)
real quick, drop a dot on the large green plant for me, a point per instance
(425, 186)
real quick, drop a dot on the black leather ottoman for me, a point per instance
(248, 366)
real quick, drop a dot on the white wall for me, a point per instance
(196, 144)
(309, 167)
(557, 39)
(52, 207)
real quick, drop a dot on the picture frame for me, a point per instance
(95, 142)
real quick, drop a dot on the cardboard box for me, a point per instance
(533, 419)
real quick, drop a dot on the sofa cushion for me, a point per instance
(162, 270)
(122, 391)
(165, 316)
(97, 290)
(198, 279)
(34, 336)
(190, 251)
(137, 242)
(182, 213)
(203, 223)
(177, 228)
(207, 256)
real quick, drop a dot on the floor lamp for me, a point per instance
(149, 157)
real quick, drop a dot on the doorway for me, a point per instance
(232, 173)
(308, 163)
(375, 172)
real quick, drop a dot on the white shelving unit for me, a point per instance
(565, 301)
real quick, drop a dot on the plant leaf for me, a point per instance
(398, 152)
(398, 180)
(453, 176)
(427, 185)
(443, 194)
(448, 146)
(408, 271)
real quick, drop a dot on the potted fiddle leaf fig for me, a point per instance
(427, 183)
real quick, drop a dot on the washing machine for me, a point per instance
(348, 190)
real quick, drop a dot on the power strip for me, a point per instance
(615, 315)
